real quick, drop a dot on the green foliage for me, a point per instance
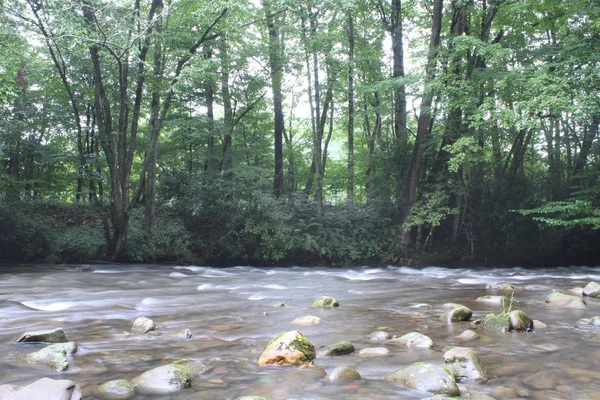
(568, 214)
(22, 237)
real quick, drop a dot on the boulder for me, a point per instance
(307, 320)
(343, 375)
(457, 314)
(46, 389)
(465, 364)
(53, 356)
(143, 325)
(325, 301)
(592, 289)
(6, 389)
(466, 336)
(539, 324)
(414, 340)
(120, 389)
(562, 300)
(495, 300)
(515, 320)
(290, 348)
(167, 379)
(340, 348)
(380, 336)
(426, 377)
(50, 336)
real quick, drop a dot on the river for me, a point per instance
(232, 315)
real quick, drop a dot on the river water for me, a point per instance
(232, 314)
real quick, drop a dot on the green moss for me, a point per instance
(448, 371)
(181, 375)
(276, 338)
(340, 348)
(500, 322)
(325, 301)
(305, 346)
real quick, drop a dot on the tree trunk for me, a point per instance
(350, 191)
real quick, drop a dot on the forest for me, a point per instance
(313, 132)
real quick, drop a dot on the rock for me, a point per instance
(340, 348)
(53, 356)
(539, 288)
(515, 320)
(143, 325)
(457, 314)
(325, 301)
(307, 320)
(343, 375)
(71, 347)
(592, 289)
(374, 352)
(495, 300)
(252, 398)
(50, 336)
(467, 336)
(539, 324)
(590, 321)
(426, 377)
(288, 348)
(465, 364)
(7, 389)
(500, 286)
(380, 336)
(47, 389)
(120, 389)
(451, 306)
(576, 291)
(562, 300)
(167, 379)
(414, 340)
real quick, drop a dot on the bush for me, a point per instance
(21, 237)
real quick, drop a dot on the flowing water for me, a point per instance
(232, 314)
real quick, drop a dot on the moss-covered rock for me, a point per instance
(494, 300)
(53, 357)
(119, 389)
(50, 336)
(343, 375)
(562, 300)
(515, 320)
(289, 348)
(461, 313)
(326, 301)
(465, 364)
(426, 377)
(166, 379)
(143, 325)
(340, 348)
(467, 336)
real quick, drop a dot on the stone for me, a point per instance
(539, 324)
(143, 325)
(166, 379)
(46, 389)
(50, 336)
(119, 389)
(426, 377)
(307, 320)
(457, 314)
(343, 375)
(340, 348)
(289, 348)
(590, 321)
(7, 389)
(500, 286)
(562, 300)
(414, 340)
(451, 306)
(374, 352)
(252, 398)
(592, 289)
(465, 364)
(537, 288)
(495, 300)
(515, 320)
(380, 336)
(325, 301)
(53, 357)
(466, 336)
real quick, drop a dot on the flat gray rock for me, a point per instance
(50, 336)
(167, 379)
(47, 389)
(119, 389)
(426, 377)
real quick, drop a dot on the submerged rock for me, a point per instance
(307, 320)
(465, 364)
(167, 379)
(53, 357)
(466, 336)
(426, 377)
(495, 300)
(457, 314)
(414, 340)
(120, 389)
(340, 348)
(50, 336)
(343, 375)
(590, 321)
(500, 286)
(380, 336)
(143, 325)
(374, 352)
(46, 389)
(562, 300)
(515, 320)
(592, 289)
(291, 348)
(325, 301)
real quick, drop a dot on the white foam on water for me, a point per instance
(206, 286)
(178, 275)
(191, 268)
(57, 306)
(106, 271)
(275, 286)
(217, 273)
(257, 297)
